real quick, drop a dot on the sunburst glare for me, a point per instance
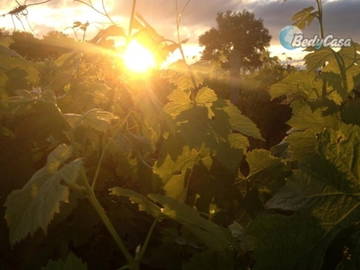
(138, 58)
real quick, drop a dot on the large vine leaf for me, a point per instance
(325, 192)
(35, 205)
(143, 203)
(175, 187)
(179, 101)
(265, 169)
(319, 58)
(169, 166)
(304, 17)
(305, 118)
(325, 211)
(172, 170)
(205, 96)
(281, 241)
(240, 122)
(342, 148)
(212, 235)
(299, 83)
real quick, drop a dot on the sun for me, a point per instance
(138, 58)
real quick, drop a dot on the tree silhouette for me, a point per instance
(239, 39)
(51, 45)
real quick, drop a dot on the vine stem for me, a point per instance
(338, 58)
(103, 151)
(132, 17)
(105, 13)
(322, 34)
(320, 17)
(98, 167)
(105, 219)
(178, 24)
(147, 240)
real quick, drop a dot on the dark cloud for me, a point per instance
(340, 17)
(162, 13)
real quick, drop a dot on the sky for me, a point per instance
(341, 17)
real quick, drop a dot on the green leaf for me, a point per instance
(195, 129)
(179, 101)
(240, 122)
(266, 171)
(212, 235)
(144, 203)
(299, 83)
(335, 86)
(325, 192)
(318, 58)
(302, 144)
(238, 141)
(283, 243)
(206, 97)
(342, 148)
(35, 205)
(175, 187)
(350, 55)
(57, 157)
(305, 118)
(170, 166)
(70, 263)
(353, 75)
(259, 160)
(180, 77)
(304, 17)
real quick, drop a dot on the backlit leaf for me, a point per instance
(179, 101)
(35, 205)
(213, 236)
(304, 17)
(144, 203)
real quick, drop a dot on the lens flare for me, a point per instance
(137, 58)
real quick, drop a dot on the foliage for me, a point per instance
(160, 172)
(319, 202)
(111, 132)
(237, 41)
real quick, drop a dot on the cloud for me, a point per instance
(340, 16)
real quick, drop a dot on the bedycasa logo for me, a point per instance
(291, 37)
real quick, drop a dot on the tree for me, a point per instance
(238, 42)
(239, 39)
(52, 45)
